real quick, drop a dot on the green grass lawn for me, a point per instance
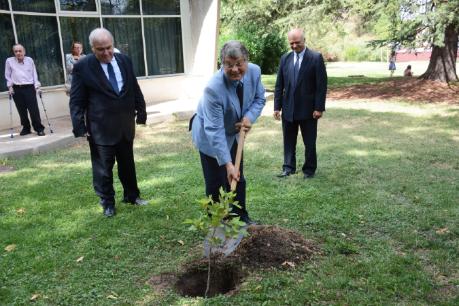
(383, 208)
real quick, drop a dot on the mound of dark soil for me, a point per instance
(272, 246)
(265, 247)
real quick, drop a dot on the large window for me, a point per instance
(39, 6)
(4, 5)
(161, 7)
(122, 30)
(148, 31)
(78, 5)
(39, 36)
(6, 44)
(120, 7)
(163, 41)
(77, 29)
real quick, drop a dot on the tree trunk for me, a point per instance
(442, 65)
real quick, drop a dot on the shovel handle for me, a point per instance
(240, 146)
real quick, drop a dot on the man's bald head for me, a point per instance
(296, 40)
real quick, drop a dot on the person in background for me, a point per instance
(392, 59)
(70, 60)
(232, 100)
(23, 85)
(299, 99)
(408, 72)
(105, 104)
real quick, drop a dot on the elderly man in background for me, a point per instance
(105, 104)
(23, 85)
(233, 99)
(299, 99)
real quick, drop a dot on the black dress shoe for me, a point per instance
(41, 133)
(138, 201)
(285, 173)
(109, 211)
(308, 176)
(24, 132)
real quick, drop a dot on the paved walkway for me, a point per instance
(62, 128)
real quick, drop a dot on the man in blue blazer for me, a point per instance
(300, 91)
(233, 99)
(105, 103)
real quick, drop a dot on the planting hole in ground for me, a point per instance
(224, 278)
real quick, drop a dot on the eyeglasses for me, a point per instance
(231, 66)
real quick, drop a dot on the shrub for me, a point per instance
(265, 45)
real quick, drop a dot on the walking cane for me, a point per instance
(46, 114)
(237, 163)
(11, 115)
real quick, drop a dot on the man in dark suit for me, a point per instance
(300, 91)
(105, 100)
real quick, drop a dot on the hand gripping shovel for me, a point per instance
(229, 244)
(237, 163)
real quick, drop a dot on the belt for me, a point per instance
(22, 85)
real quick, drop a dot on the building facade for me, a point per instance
(172, 43)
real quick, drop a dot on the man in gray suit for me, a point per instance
(233, 99)
(300, 91)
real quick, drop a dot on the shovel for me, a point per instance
(228, 245)
(237, 163)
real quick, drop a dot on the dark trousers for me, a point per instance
(309, 133)
(25, 99)
(103, 159)
(215, 177)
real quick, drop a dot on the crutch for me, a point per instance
(237, 163)
(46, 114)
(10, 96)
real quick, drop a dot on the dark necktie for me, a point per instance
(240, 94)
(296, 68)
(112, 78)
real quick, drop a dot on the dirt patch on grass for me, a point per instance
(5, 169)
(265, 247)
(406, 89)
(272, 246)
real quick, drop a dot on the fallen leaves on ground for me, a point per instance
(407, 89)
(442, 231)
(10, 247)
(34, 297)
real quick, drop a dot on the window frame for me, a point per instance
(98, 14)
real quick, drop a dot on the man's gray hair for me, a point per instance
(234, 49)
(97, 33)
